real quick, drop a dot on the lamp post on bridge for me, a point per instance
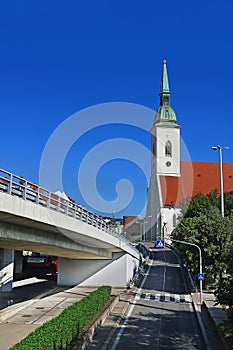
(215, 148)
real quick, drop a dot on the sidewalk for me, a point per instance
(215, 310)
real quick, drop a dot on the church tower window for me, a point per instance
(168, 149)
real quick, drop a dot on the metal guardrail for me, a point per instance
(29, 191)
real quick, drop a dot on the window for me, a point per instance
(168, 149)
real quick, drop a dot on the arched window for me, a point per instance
(168, 149)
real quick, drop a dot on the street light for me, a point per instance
(200, 265)
(215, 148)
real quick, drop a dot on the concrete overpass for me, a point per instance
(32, 218)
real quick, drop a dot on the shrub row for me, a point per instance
(58, 333)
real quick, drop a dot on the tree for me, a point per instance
(203, 225)
(214, 233)
(224, 292)
(187, 231)
(200, 204)
(228, 205)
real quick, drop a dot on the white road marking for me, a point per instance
(187, 298)
(123, 326)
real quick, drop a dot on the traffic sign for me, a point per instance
(201, 276)
(160, 243)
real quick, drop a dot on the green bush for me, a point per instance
(58, 333)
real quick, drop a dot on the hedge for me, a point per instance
(58, 333)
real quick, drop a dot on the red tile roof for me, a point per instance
(196, 177)
(129, 220)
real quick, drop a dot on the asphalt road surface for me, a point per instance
(161, 315)
(26, 287)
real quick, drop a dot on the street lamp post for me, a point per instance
(215, 148)
(200, 265)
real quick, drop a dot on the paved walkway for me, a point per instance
(215, 310)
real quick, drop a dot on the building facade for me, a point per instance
(165, 160)
(174, 181)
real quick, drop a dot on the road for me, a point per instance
(161, 314)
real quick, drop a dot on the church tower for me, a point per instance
(165, 161)
(165, 143)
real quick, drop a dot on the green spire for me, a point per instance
(165, 116)
(164, 90)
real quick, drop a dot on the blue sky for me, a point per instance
(60, 57)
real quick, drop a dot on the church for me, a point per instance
(172, 180)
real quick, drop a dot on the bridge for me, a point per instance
(90, 251)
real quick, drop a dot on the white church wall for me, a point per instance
(153, 209)
(168, 165)
(170, 219)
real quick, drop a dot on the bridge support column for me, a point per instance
(6, 269)
(18, 260)
(116, 272)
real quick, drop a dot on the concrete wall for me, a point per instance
(116, 272)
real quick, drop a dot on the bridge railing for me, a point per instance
(29, 191)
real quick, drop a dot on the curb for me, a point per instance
(198, 313)
(187, 280)
(201, 325)
(195, 307)
(203, 329)
(115, 326)
(226, 347)
(85, 338)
